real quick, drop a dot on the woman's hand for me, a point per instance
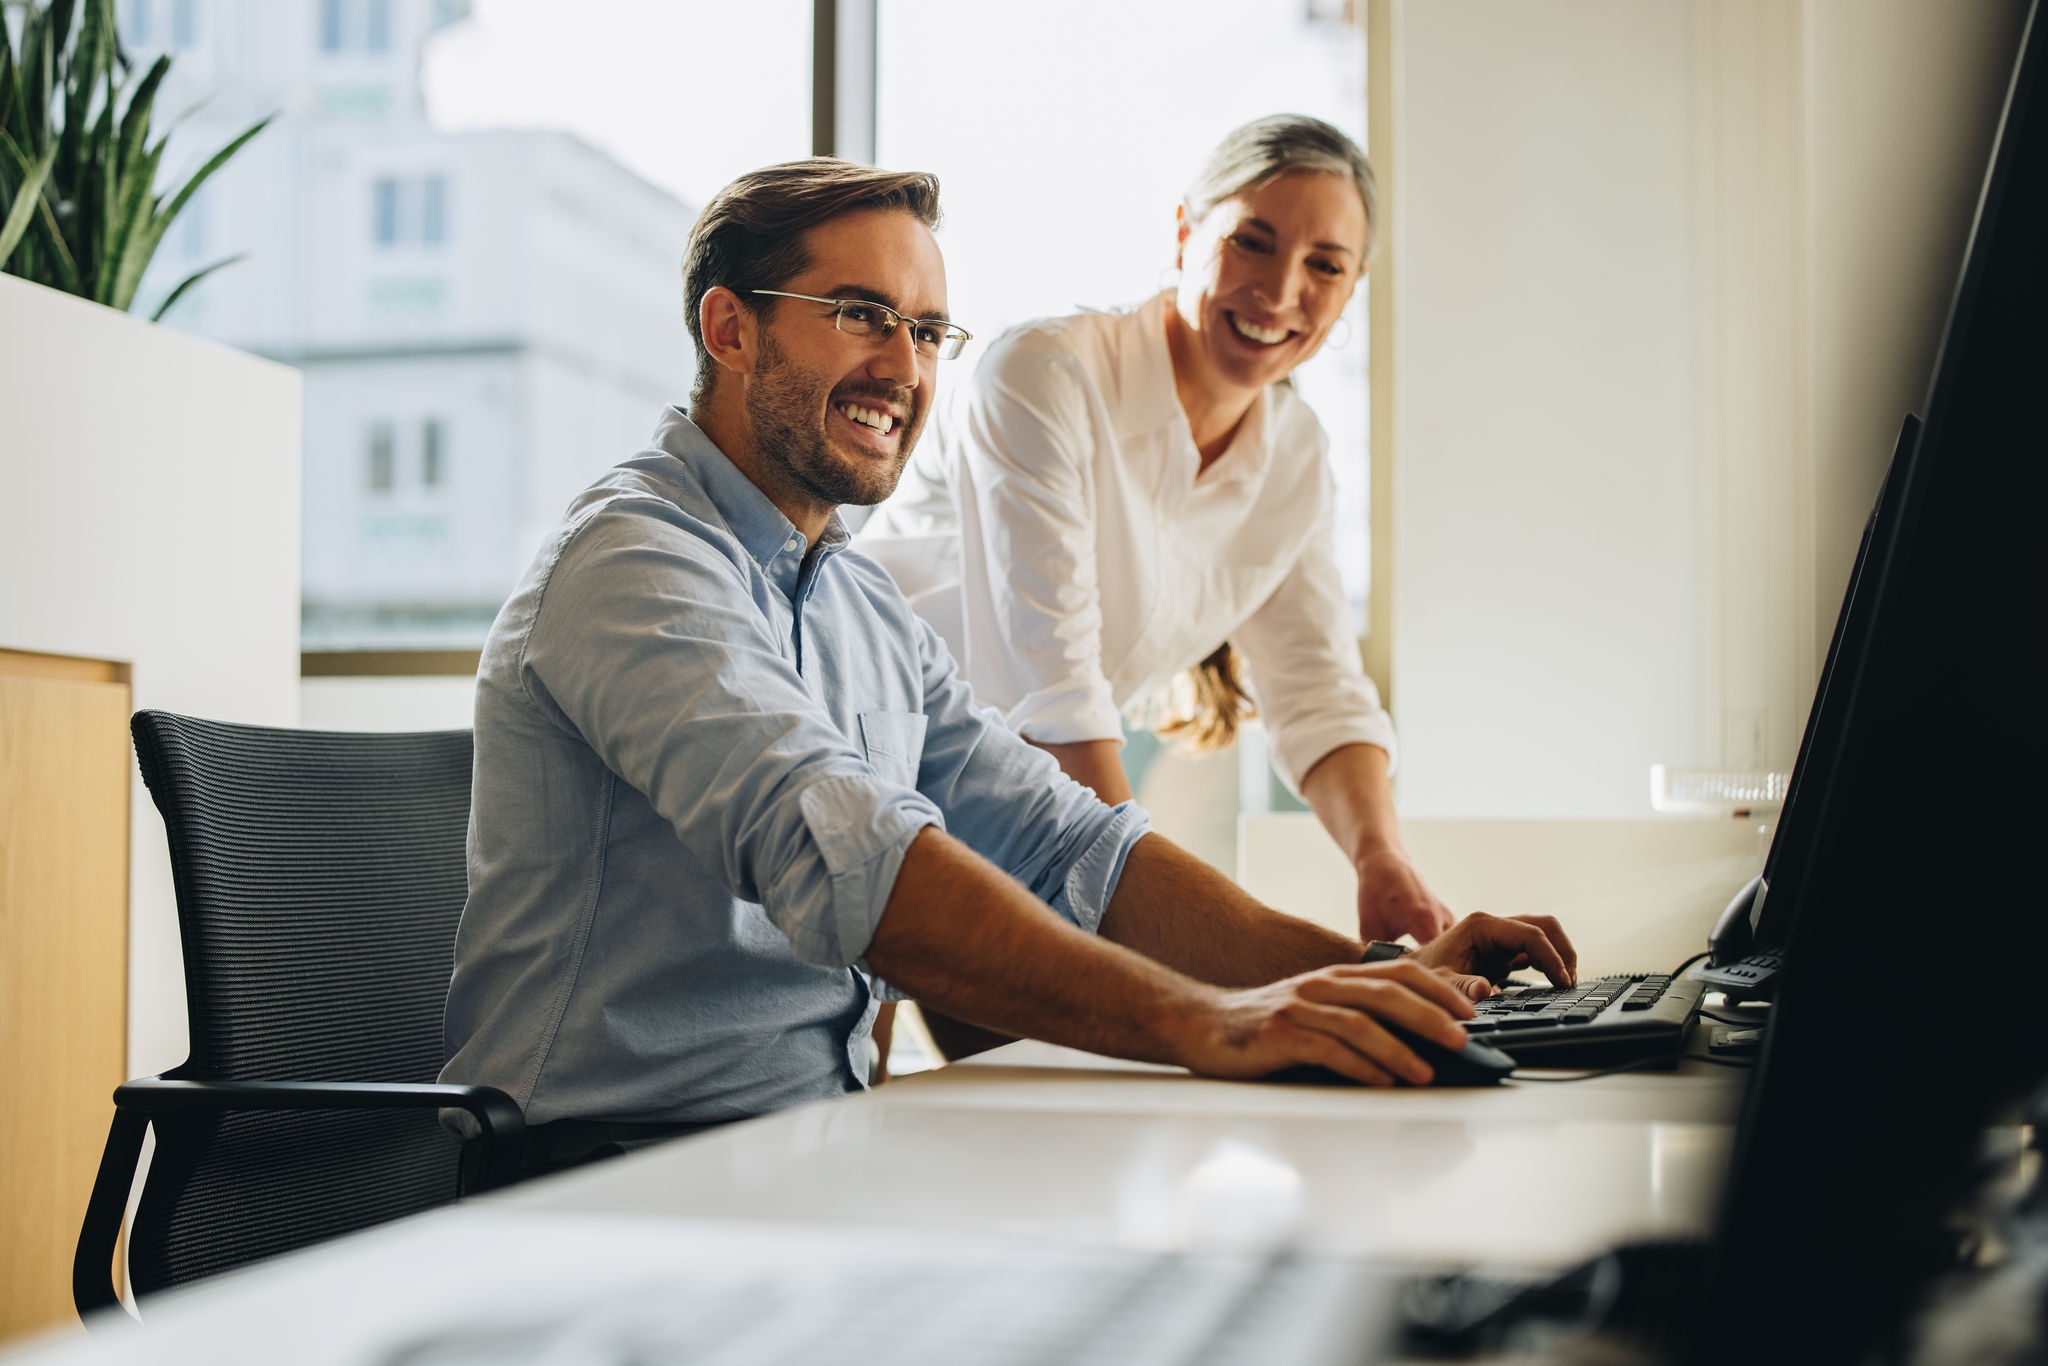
(1393, 900)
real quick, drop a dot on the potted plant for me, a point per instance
(79, 207)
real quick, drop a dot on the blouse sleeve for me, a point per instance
(1032, 630)
(1303, 662)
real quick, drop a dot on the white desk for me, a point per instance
(1045, 1141)
(1032, 1147)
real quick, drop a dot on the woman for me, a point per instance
(1127, 497)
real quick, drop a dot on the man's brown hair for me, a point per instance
(751, 234)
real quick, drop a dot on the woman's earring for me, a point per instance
(1336, 342)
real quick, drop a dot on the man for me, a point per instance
(727, 784)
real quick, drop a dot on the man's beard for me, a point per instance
(789, 432)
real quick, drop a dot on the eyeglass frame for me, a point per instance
(839, 307)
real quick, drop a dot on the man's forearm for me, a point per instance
(1176, 909)
(960, 934)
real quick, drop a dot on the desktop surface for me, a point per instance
(1043, 1141)
(1003, 1189)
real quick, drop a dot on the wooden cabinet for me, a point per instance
(65, 787)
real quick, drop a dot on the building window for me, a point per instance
(410, 212)
(385, 230)
(138, 22)
(382, 465)
(184, 23)
(330, 25)
(433, 453)
(433, 210)
(377, 33)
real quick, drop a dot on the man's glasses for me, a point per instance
(865, 318)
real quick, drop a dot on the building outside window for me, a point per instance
(382, 468)
(184, 23)
(331, 22)
(433, 210)
(377, 31)
(433, 453)
(191, 227)
(385, 195)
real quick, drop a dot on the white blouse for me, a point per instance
(1060, 533)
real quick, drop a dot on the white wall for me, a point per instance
(1544, 651)
(376, 703)
(1667, 273)
(149, 513)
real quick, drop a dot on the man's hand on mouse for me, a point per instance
(1332, 1018)
(1481, 950)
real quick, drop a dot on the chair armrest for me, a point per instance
(503, 1140)
(495, 1111)
(499, 1117)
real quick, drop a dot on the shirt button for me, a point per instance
(790, 544)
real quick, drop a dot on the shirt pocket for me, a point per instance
(894, 741)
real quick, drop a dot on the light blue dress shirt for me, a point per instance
(699, 761)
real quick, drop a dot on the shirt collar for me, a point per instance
(1151, 402)
(771, 538)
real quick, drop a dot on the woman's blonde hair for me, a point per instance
(1206, 704)
(1209, 702)
(1277, 145)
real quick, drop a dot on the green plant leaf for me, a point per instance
(135, 123)
(38, 62)
(52, 237)
(23, 209)
(96, 212)
(78, 80)
(190, 280)
(214, 163)
(134, 239)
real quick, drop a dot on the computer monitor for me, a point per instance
(1906, 1014)
(1820, 747)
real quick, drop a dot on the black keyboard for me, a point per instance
(1601, 1023)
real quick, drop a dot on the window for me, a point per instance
(381, 474)
(136, 30)
(1071, 142)
(377, 33)
(184, 23)
(385, 231)
(433, 210)
(330, 25)
(407, 212)
(432, 453)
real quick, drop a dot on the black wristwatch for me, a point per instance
(1380, 950)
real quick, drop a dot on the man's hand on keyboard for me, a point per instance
(1481, 950)
(1332, 1018)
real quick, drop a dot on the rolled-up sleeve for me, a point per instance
(1303, 665)
(647, 644)
(1032, 606)
(1010, 802)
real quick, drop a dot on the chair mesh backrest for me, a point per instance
(320, 876)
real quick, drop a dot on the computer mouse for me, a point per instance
(1476, 1064)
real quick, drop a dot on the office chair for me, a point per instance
(319, 877)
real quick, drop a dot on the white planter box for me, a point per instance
(149, 513)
